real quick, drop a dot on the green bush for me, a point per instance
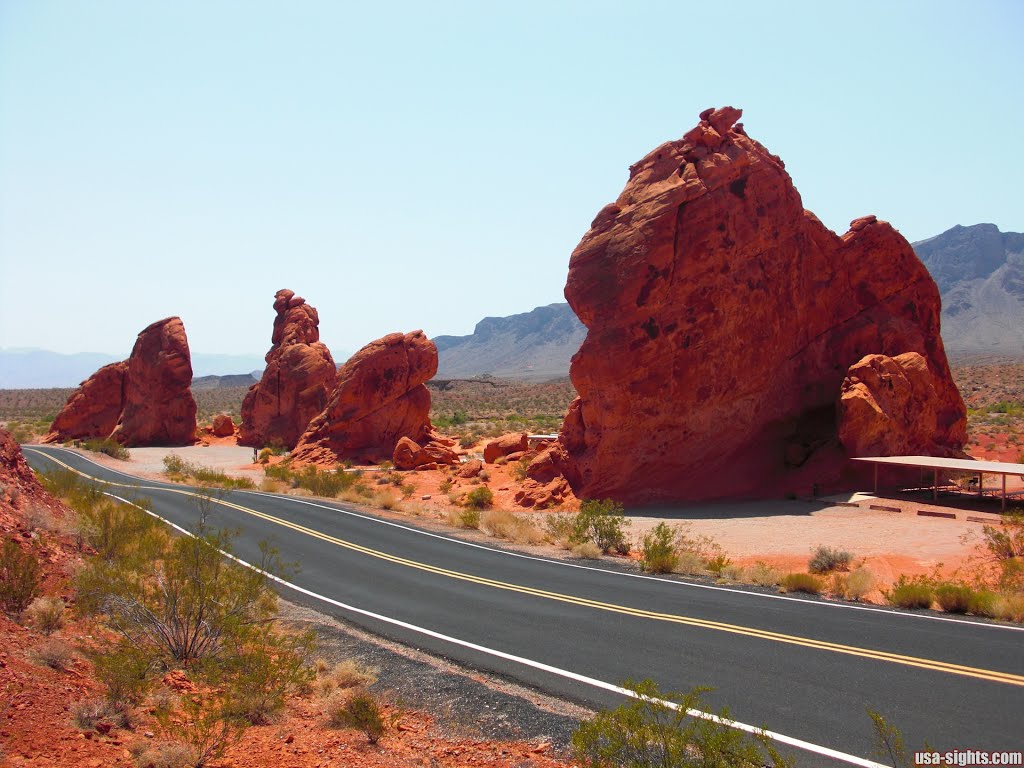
(360, 711)
(827, 559)
(658, 553)
(20, 576)
(602, 522)
(911, 592)
(647, 732)
(801, 582)
(107, 446)
(954, 598)
(479, 498)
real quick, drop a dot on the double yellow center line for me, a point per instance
(778, 637)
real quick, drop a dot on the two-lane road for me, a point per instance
(804, 669)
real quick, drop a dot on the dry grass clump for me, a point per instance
(762, 574)
(503, 524)
(164, 754)
(343, 676)
(801, 582)
(467, 517)
(586, 550)
(54, 654)
(828, 559)
(45, 614)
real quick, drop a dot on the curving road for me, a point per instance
(805, 670)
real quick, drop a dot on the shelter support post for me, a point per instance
(935, 485)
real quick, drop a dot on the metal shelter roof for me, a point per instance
(935, 463)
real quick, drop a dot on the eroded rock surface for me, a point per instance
(722, 319)
(890, 406)
(144, 400)
(94, 408)
(380, 398)
(158, 404)
(297, 381)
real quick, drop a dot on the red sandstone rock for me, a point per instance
(297, 381)
(502, 446)
(158, 404)
(145, 400)
(410, 455)
(379, 399)
(722, 318)
(93, 409)
(471, 468)
(223, 426)
(889, 407)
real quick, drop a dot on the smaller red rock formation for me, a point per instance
(379, 399)
(223, 426)
(514, 442)
(297, 381)
(892, 406)
(145, 400)
(158, 404)
(545, 484)
(471, 468)
(411, 455)
(93, 409)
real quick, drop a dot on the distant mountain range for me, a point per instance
(979, 271)
(980, 274)
(42, 369)
(533, 345)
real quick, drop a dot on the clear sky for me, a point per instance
(424, 165)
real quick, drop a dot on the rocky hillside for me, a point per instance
(980, 274)
(534, 345)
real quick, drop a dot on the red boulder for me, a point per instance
(380, 398)
(93, 409)
(515, 442)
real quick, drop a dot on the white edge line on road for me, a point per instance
(562, 563)
(593, 682)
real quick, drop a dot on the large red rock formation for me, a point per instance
(94, 408)
(297, 381)
(145, 400)
(889, 407)
(722, 319)
(158, 404)
(379, 399)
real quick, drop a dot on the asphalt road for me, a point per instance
(802, 668)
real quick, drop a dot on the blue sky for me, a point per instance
(424, 165)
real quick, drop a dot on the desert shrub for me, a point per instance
(263, 670)
(54, 654)
(689, 563)
(982, 602)
(655, 731)
(263, 457)
(386, 501)
(558, 529)
(165, 754)
(45, 614)
(701, 548)
(178, 468)
(762, 574)
(953, 598)
(801, 582)
(518, 469)
(586, 550)
(658, 550)
(479, 498)
(602, 522)
(1009, 607)
(446, 485)
(86, 714)
(107, 446)
(407, 490)
(347, 674)
(359, 710)
(20, 576)
(732, 572)
(827, 559)
(126, 673)
(859, 583)
(507, 525)
(718, 563)
(203, 724)
(911, 592)
(465, 518)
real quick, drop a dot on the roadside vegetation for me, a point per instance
(183, 641)
(181, 470)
